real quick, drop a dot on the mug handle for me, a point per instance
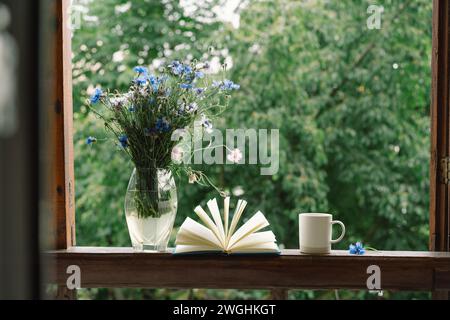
(343, 231)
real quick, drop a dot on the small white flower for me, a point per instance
(193, 178)
(235, 156)
(177, 154)
(119, 101)
(143, 92)
(128, 95)
(238, 191)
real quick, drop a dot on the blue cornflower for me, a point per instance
(187, 69)
(186, 86)
(162, 78)
(229, 85)
(177, 67)
(207, 124)
(97, 95)
(140, 70)
(91, 140)
(199, 91)
(199, 74)
(162, 125)
(154, 81)
(123, 140)
(191, 107)
(356, 248)
(132, 109)
(141, 80)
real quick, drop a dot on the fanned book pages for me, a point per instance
(218, 234)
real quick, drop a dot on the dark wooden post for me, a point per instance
(439, 205)
(19, 151)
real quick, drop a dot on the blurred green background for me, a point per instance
(351, 104)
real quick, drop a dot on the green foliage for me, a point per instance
(351, 105)
(352, 108)
(112, 40)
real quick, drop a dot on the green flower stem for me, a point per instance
(146, 196)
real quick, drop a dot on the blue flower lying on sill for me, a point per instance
(356, 248)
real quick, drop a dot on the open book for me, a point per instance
(218, 234)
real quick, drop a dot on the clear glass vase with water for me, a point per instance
(150, 208)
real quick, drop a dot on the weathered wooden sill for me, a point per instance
(122, 267)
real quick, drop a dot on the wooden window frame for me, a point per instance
(121, 267)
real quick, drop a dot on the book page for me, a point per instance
(236, 216)
(191, 230)
(204, 217)
(255, 223)
(187, 238)
(226, 210)
(253, 240)
(215, 212)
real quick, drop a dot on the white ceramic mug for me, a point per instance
(315, 232)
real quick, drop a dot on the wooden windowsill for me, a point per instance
(122, 267)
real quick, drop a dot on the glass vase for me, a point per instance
(150, 208)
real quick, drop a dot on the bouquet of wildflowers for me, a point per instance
(144, 118)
